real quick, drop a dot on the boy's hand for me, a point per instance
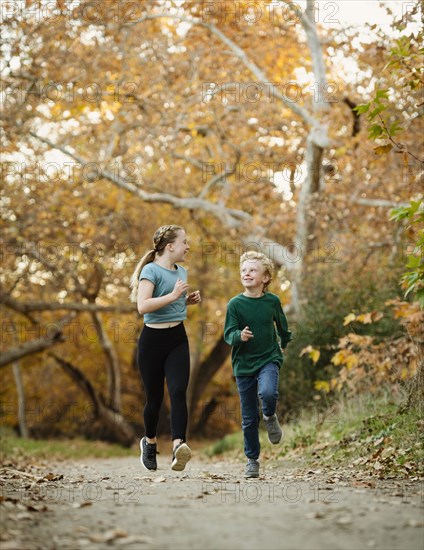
(246, 334)
(194, 298)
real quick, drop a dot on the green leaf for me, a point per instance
(376, 111)
(414, 206)
(399, 213)
(382, 93)
(361, 109)
(395, 129)
(375, 131)
(413, 262)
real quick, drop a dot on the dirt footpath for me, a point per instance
(114, 503)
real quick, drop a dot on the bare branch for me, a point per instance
(384, 203)
(113, 370)
(241, 54)
(28, 307)
(195, 162)
(213, 181)
(230, 217)
(54, 337)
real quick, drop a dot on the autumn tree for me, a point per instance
(122, 116)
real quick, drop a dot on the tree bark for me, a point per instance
(204, 372)
(35, 346)
(20, 390)
(112, 366)
(116, 426)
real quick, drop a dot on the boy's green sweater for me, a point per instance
(265, 317)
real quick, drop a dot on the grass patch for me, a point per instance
(229, 443)
(12, 446)
(367, 432)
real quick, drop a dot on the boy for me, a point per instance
(250, 324)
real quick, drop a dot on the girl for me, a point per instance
(159, 286)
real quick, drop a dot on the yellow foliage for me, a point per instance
(313, 353)
(351, 361)
(322, 385)
(348, 319)
(366, 365)
(338, 358)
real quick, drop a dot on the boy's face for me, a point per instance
(252, 274)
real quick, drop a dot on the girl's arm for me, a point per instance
(193, 298)
(282, 326)
(145, 301)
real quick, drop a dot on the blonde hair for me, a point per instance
(266, 262)
(163, 236)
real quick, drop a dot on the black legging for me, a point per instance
(164, 354)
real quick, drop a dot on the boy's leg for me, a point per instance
(268, 388)
(268, 392)
(248, 391)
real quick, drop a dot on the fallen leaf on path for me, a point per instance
(315, 515)
(211, 477)
(142, 539)
(344, 520)
(108, 536)
(52, 477)
(36, 508)
(414, 523)
(23, 515)
(81, 504)
(159, 479)
(361, 460)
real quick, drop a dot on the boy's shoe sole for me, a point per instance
(275, 433)
(182, 455)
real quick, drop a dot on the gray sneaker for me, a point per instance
(275, 433)
(252, 468)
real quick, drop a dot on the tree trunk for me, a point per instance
(415, 397)
(53, 338)
(112, 366)
(20, 390)
(204, 372)
(116, 426)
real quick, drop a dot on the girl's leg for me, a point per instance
(152, 374)
(268, 388)
(247, 388)
(177, 373)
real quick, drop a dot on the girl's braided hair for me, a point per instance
(163, 235)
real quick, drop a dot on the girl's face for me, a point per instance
(179, 247)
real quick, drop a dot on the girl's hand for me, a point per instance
(246, 334)
(179, 289)
(194, 298)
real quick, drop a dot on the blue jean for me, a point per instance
(265, 385)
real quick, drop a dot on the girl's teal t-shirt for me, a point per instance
(164, 281)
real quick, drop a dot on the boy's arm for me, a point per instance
(282, 326)
(232, 333)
